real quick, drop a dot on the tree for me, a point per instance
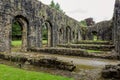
(83, 23)
(89, 21)
(56, 6)
(16, 31)
(52, 4)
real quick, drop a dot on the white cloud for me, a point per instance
(81, 9)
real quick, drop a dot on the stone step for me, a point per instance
(94, 42)
(62, 51)
(74, 52)
(37, 60)
(89, 46)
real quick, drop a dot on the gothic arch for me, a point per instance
(68, 34)
(24, 23)
(94, 35)
(61, 35)
(49, 30)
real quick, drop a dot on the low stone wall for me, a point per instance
(111, 72)
(75, 52)
(63, 51)
(94, 42)
(89, 47)
(39, 61)
(103, 31)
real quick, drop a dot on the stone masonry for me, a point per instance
(102, 29)
(116, 30)
(31, 15)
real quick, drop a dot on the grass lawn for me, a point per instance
(16, 43)
(44, 42)
(94, 51)
(10, 73)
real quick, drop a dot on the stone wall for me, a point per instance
(32, 14)
(116, 30)
(40, 61)
(111, 72)
(102, 30)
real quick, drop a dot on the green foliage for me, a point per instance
(9, 73)
(44, 32)
(56, 6)
(16, 30)
(52, 4)
(83, 23)
(94, 51)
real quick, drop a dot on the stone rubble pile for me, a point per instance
(111, 72)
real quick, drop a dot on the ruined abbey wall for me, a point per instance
(116, 24)
(32, 14)
(102, 30)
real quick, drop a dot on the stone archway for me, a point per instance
(61, 35)
(79, 35)
(73, 36)
(95, 36)
(23, 22)
(68, 34)
(49, 35)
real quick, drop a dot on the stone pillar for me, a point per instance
(79, 35)
(24, 36)
(39, 34)
(49, 35)
(5, 35)
(116, 30)
(54, 35)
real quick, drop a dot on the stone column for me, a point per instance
(116, 22)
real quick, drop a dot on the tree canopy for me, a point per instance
(16, 30)
(55, 6)
(87, 22)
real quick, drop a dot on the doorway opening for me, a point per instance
(68, 34)
(46, 35)
(95, 37)
(19, 40)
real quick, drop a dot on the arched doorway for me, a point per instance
(79, 35)
(73, 36)
(46, 35)
(95, 37)
(20, 32)
(61, 35)
(68, 34)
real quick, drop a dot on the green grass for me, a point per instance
(86, 67)
(94, 51)
(16, 43)
(10, 73)
(44, 42)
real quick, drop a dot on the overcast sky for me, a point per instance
(80, 9)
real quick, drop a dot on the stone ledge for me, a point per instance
(75, 52)
(39, 61)
(89, 46)
(94, 42)
(111, 72)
